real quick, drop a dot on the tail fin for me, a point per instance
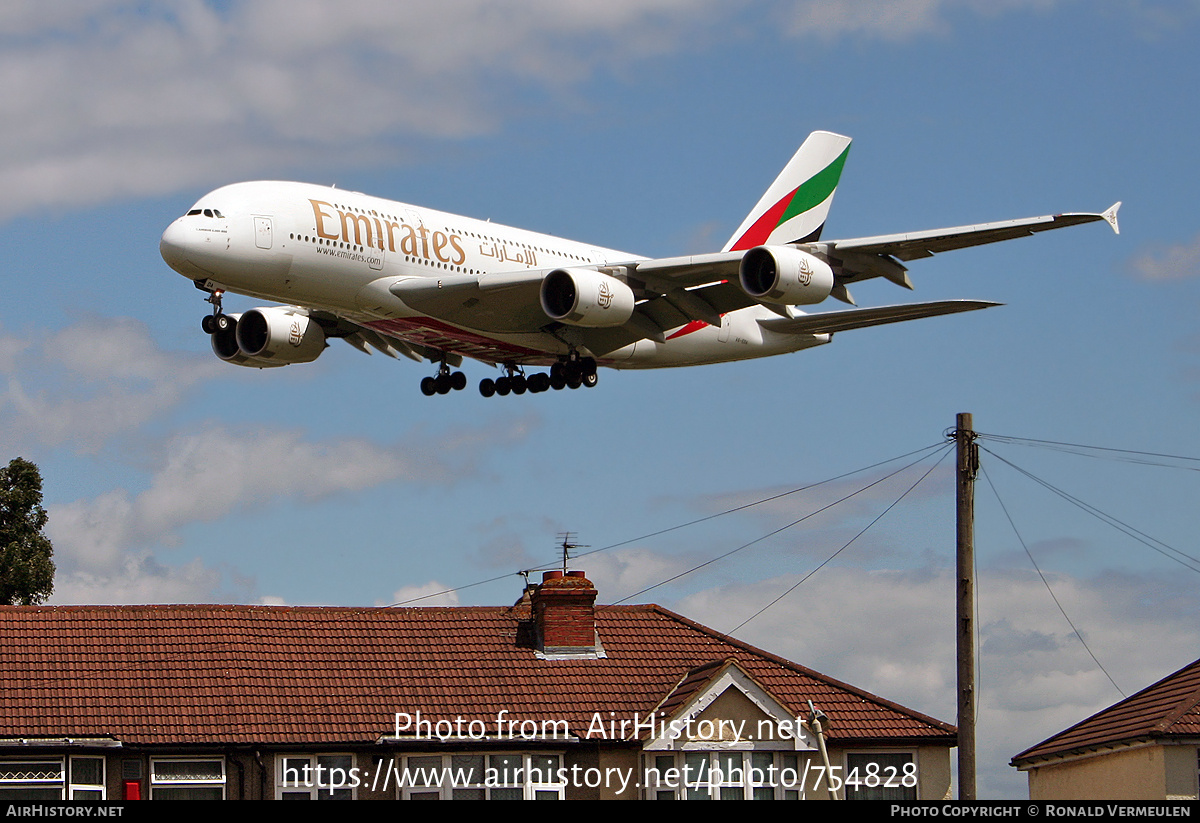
(794, 208)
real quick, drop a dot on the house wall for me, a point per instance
(1183, 772)
(1128, 774)
(934, 773)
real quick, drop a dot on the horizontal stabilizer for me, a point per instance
(835, 321)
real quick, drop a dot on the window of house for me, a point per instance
(87, 778)
(315, 777)
(880, 776)
(501, 776)
(31, 779)
(52, 778)
(187, 778)
(726, 775)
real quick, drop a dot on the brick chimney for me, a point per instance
(564, 615)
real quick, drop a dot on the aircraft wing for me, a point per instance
(915, 245)
(674, 291)
(499, 302)
(712, 277)
(835, 321)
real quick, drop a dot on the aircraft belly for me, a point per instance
(526, 349)
(738, 338)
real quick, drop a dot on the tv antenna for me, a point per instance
(567, 545)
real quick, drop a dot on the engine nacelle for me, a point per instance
(225, 345)
(268, 337)
(583, 297)
(278, 336)
(781, 274)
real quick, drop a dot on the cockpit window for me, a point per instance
(218, 213)
(206, 213)
(193, 212)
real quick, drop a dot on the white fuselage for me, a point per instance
(339, 251)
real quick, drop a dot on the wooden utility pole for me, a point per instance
(968, 465)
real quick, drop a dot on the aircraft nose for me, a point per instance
(172, 247)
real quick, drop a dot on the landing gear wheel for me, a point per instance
(503, 386)
(588, 364)
(590, 380)
(487, 387)
(539, 382)
(575, 381)
(458, 381)
(557, 381)
(518, 384)
(209, 324)
(223, 322)
(428, 386)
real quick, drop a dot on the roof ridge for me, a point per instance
(794, 666)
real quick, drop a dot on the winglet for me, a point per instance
(1110, 215)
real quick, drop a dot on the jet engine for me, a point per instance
(781, 274)
(267, 337)
(583, 297)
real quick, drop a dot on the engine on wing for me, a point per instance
(582, 297)
(267, 337)
(781, 274)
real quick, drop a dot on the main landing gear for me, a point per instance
(570, 373)
(445, 382)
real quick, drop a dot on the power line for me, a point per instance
(1046, 583)
(697, 521)
(784, 528)
(1124, 455)
(827, 560)
(1188, 562)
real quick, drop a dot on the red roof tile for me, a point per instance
(150, 675)
(1169, 708)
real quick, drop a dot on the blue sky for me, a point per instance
(650, 126)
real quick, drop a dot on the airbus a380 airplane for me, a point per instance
(439, 287)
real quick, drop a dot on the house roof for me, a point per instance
(1168, 709)
(158, 675)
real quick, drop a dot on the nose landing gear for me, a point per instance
(218, 320)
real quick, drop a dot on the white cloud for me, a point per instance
(893, 19)
(620, 573)
(432, 593)
(124, 99)
(209, 475)
(90, 382)
(1171, 263)
(140, 579)
(129, 99)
